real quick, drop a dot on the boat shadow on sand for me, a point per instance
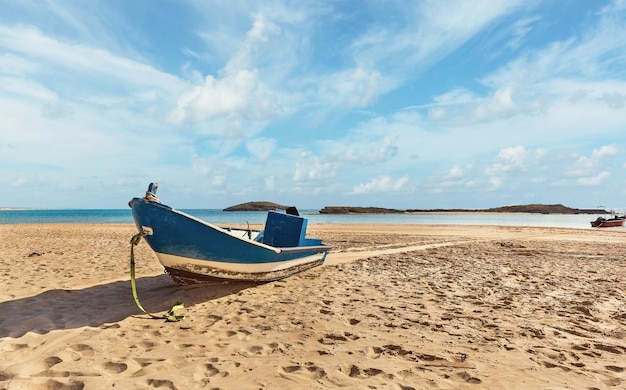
(111, 302)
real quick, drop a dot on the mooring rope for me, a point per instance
(171, 315)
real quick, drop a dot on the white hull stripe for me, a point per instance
(184, 263)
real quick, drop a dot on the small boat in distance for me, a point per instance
(195, 251)
(609, 222)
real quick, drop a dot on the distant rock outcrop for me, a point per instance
(256, 206)
(545, 209)
(530, 208)
(358, 210)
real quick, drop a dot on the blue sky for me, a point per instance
(402, 104)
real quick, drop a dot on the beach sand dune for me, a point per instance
(400, 307)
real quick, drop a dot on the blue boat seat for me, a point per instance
(285, 230)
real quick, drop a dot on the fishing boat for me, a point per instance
(609, 222)
(195, 251)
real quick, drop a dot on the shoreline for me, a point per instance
(408, 306)
(222, 218)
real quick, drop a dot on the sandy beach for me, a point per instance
(394, 307)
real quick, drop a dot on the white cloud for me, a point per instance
(519, 31)
(586, 166)
(604, 151)
(614, 100)
(456, 171)
(457, 178)
(310, 168)
(584, 57)
(549, 77)
(261, 148)
(216, 98)
(614, 7)
(28, 44)
(594, 180)
(260, 31)
(362, 147)
(25, 88)
(461, 108)
(237, 102)
(381, 184)
(431, 31)
(496, 182)
(341, 90)
(499, 105)
(19, 182)
(508, 159)
(455, 96)
(362, 88)
(11, 64)
(200, 165)
(437, 113)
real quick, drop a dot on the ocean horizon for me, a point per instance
(215, 216)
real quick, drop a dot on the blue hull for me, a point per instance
(194, 251)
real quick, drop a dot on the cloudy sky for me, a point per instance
(402, 104)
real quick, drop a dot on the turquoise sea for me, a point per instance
(226, 218)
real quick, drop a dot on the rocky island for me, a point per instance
(256, 206)
(358, 210)
(530, 208)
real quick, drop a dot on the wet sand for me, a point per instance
(400, 307)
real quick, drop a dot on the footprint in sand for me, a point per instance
(42, 367)
(83, 349)
(110, 326)
(392, 349)
(291, 369)
(309, 368)
(14, 347)
(375, 371)
(331, 339)
(375, 352)
(469, 379)
(52, 361)
(115, 367)
(354, 371)
(147, 345)
(212, 371)
(54, 384)
(145, 362)
(158, 383)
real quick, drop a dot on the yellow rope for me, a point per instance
(171, 315)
